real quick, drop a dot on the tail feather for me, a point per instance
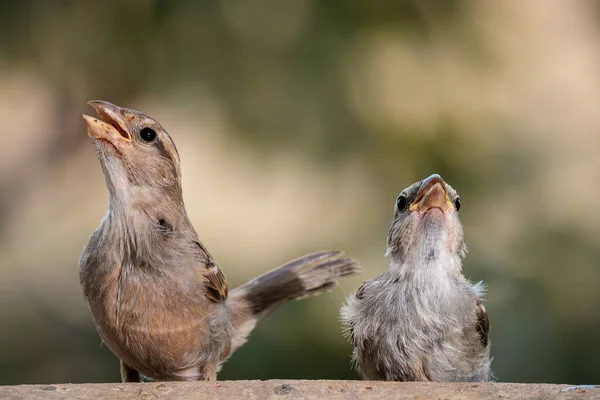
(307, 276)
(325, 276)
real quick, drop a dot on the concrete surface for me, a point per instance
(292, 390)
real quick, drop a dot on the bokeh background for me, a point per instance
(298, 122)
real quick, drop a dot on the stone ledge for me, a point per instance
(292, 390)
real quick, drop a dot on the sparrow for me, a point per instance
(158, 299)
(421, 320)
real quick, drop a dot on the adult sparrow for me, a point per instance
(158, 299)
(421, 320)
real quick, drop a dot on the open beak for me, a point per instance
(432, 194)
(110, 126)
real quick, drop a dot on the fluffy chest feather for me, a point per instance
(413, 326)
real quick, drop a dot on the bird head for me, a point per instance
(137, 154)
(426, 224)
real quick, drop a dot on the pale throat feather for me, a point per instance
(430, 255)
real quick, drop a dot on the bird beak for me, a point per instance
(110, 126)
(432, 194)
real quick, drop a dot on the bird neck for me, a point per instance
(425, 263)
(144, 198)
(146, 235)
(126, 194)
(143, 213)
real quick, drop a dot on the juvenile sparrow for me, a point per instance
(422, 320)
(158, 299)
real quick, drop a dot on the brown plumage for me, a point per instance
(158, 299)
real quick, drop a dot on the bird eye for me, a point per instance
(402, 203)
(457, 203)
(148, 134)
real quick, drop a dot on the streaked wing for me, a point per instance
(483, 324)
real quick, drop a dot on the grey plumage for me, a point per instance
(421, 320)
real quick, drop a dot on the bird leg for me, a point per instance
(129, 374)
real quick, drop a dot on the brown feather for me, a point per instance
(483, 324)
(216, 288)
(159, 300)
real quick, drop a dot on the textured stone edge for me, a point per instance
(294, 389)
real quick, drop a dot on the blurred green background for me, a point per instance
(298, 122)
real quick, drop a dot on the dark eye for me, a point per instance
(402, 203)
(148, 134)
(457, 203)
